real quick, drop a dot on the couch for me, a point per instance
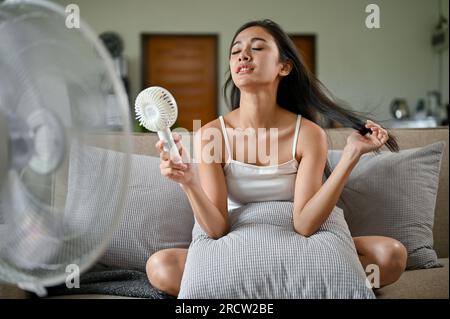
(422, 283)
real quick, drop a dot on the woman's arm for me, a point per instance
(204, 187)
(207, 192)
(313, 202)
(317, 209)
(212, 220)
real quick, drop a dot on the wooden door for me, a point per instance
(186, 65)
(306, 44)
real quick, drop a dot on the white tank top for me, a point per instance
(248, 183)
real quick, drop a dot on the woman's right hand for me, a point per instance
(183, 172)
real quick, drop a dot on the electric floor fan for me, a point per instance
(58, 88)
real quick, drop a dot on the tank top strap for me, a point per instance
(297, 129)
(225, 135)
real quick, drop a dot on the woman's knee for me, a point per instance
(161, 268)
(392, 261)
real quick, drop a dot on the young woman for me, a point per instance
(272, 88)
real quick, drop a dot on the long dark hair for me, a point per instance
(301, 92)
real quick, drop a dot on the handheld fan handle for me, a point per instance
(169, 145)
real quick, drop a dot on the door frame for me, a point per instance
(144, 63)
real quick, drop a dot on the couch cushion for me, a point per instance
(394, 195)
(156, 213)
(419, 284)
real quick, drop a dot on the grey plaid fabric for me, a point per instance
(394, 195)
(263, 257)
(156, 212)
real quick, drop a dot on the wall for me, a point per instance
(365, 67)
(444, 57)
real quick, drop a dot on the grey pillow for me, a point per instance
(394, 195)
(156, 213)
(263, 257)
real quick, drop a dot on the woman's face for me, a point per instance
(255, 59)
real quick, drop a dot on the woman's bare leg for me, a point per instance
(165, 269)
(387, 253)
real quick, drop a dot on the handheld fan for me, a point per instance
(156, 110)
(58, 89)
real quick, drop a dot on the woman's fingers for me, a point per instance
(176, 138)
(375, 138)
(372, 123)
(185, 157)
(160, 145)
(377, 131)
(169, 168)
(385, 136)
(164, 156)
(181, 150)
(168, 163)
(383, 133)
(172, 172)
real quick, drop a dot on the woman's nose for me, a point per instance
(244, 56)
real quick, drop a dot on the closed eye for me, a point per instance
(255, 49)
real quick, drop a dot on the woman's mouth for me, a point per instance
(244, 69)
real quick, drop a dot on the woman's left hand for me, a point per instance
(368, 142)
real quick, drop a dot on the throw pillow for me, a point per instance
(263, 257)
(394, 195)
(156, 212)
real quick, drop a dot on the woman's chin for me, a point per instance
(250, 85)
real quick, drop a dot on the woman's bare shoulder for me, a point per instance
(215, 124)
(310, 126)
(210, 132)
(212, 124)
(311, 135)
(210, 136)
